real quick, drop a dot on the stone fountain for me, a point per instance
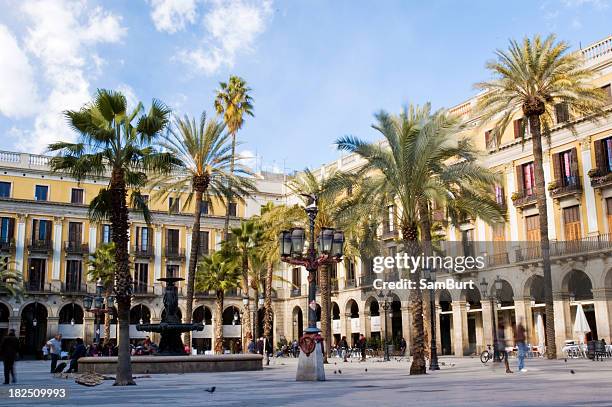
(170, 327)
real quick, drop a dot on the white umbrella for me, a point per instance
(581, 325)
(540, 332)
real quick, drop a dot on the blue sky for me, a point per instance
(318, 69)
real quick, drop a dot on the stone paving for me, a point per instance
(461, 382)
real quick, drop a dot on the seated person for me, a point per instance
(79, 352)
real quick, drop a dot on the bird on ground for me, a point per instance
(339, 371)
(572, 371)
(335, 372)
(211, 389)
(366, 369)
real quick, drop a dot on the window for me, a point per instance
(296, 277)
(5, 189)
(499, 195)
(526, 178)
(608, 91)
(389, 222)
(532, 224)
(204, 208)
(232, 209)
(489, 139)
(106, 234)
(142, 238)
(565, 166)
(172, 270)
(603, 155)
(561, 113)
(204, 242)
(36, 274)
(73, 274)
(350, 269)
(172, 241)
(609, 213)
(141, 277)
(571, 222)
(75, 233)
(41, 230)
(7, 229)
(519, 128)
(173, 205)
(145, 200)
(41, 192)
(467, 242)
(77, 196)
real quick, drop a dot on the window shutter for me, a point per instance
(556, 159)
(574, 162)
(518, 127)
(599, 155)
(519, 178)
(11, 229)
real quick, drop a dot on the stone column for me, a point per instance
(460, 330)
(438, 330)
(345, 326)
(20, 242)
(15, 323)
(158, 253)
(57, 247)
(603, 308)
(365, 323)
(589, 192)
(563, 319)
(406, 324)
(521, 309)
(487, 323)
(52, 327)
(93, 237)
(89, 327)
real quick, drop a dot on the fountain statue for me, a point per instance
(170, 327)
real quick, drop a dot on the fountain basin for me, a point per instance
(174, 364)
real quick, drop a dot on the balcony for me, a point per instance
(7, 246)
(566, 187)
(76, 248)
(69, 287)
(234, 292)
(366, 281)
(334, 284)
(349, 283)
(524, 197)
(205, 294)
(174, 253)
(600, 177)
(530, 251)
(498, 259)
(142, 290)
(41, 246)
(38, 287)
(143, 252)
(295, 292)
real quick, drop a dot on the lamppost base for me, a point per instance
(310, 367)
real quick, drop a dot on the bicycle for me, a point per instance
(489, 354)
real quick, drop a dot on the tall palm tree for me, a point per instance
(243, 244)
(203, 150)
(11, 280)
(234, 102)
(102, 267)
(534, 77)
(120, 142)
(217, 272)
(408, 172)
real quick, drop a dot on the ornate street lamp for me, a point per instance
(99, 305)
(430, 275)
(384, 300)
(330, 251)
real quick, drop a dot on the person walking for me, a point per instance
(501, 345)
(9, 348)
(343, 345)
(79, 352)
(362, 347)
(519, 341)
(55, 350)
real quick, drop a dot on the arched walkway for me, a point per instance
(297, 321)
(353, 326)
(71, 323)
(446, 322)
(202, 340)
(4, 319)
(33, 330)
(579, 289)
(336, 325)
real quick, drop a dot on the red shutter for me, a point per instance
(519, 178)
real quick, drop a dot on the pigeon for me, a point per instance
(335, 372)
(366, 369)
(565, 360)
(339, 371)
(335, 363)
(572, 371)
(211, 389)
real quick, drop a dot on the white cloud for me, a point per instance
(248, 159)
(130, 95)
(18, 90)
(599, 4)
(173, 15)
(230, 28)
(61, 36)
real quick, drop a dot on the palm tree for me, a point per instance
(110, 142)
(410, 170)
(217, 272)
(243, 244)
(534, 78)
(203, 150)
(11, 280)
(102, 267)
(234, 102)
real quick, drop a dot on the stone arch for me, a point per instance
(71, 312)
(231, 315)
(297, 322)
(534, 288)
(5, 312)
(33, 327)
(472, 297)
(372, 306)
(578, 283)
(352, 308)
(202, 314)
(138, 312)
(505, 295)
(445, 300)
(335, 310)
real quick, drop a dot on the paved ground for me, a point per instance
(461, 382)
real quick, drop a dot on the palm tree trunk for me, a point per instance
(219, 323)
(123, 278)
(107, 321)
(427, 251)
(536, 139)
(325, 308)
(411, 247)
(229, 187)
(246, 314)
(193, 262)
(268, 306)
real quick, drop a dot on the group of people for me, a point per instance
(520, 338)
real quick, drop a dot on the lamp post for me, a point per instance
(430, 275)
(331, 243)
(385, 304)
(498, 284)
(99, 305)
